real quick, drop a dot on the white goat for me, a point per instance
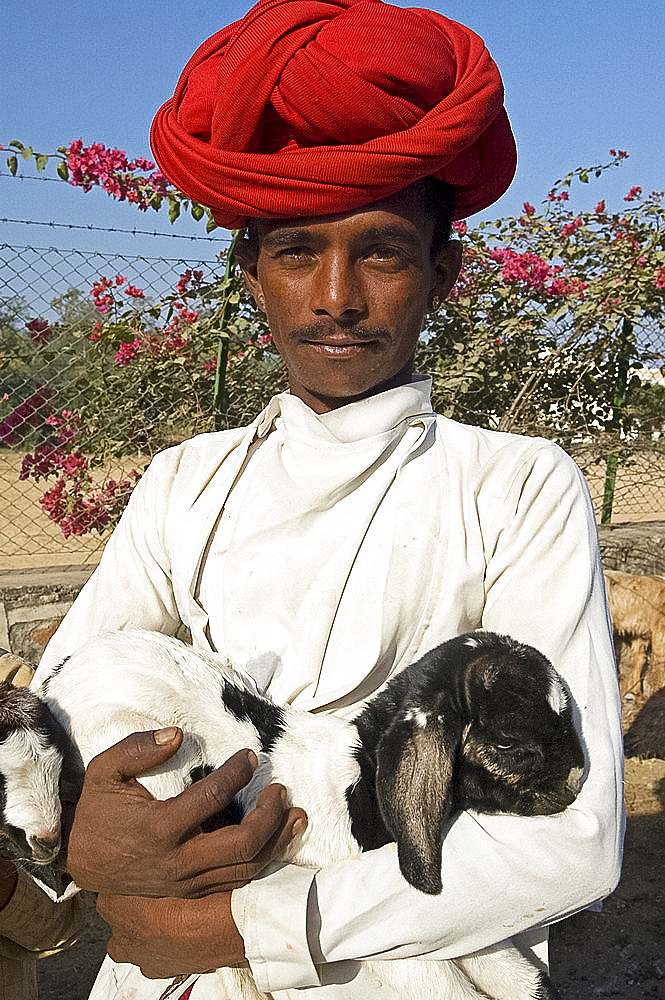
(486, 719)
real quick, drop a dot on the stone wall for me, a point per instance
(33, 602)
(637, 547)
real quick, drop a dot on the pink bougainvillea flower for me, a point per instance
(127, 352)
(95, 165)
(185, 280)
(39, 331)
(571, 227)
(527, 267)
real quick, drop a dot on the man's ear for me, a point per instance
(248, 261)
(447, 266)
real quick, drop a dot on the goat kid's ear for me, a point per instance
(415, 761)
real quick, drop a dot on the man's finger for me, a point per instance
(205, 798)
(133, 756)
(231, 856)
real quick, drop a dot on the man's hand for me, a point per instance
(172, 937)
(123, 841)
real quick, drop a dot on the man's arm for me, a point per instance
(501, 874)
(132, 585)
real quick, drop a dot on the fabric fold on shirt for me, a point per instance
(315, 484)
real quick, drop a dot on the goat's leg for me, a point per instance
(503, 973)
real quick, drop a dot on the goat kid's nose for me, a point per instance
(46, 844)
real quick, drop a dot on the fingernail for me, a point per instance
(252, 758)
(167, 735)
(299, 827)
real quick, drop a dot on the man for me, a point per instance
(348, 529)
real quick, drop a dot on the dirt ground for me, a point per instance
(619, 952)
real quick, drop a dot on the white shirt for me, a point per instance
(325, 552)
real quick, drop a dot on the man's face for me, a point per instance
(345, 295)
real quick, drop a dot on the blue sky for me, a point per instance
(580, 79)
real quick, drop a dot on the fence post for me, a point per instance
(219, 401)
(624, 354)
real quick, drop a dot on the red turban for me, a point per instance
(312, 107)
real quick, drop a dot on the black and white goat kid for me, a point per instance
(481, 722)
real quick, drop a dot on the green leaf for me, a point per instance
(198, 211)
(40, 161)
(210, 225)
(584, 177)
(15, 144)
(63, 170)
(12, 163)
(174, 210)
(26, 152)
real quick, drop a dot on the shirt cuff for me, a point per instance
(271, 915)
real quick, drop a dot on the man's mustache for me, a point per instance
(322, 333)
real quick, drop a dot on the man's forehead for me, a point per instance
(397, 213)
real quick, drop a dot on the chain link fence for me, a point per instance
(58, 379)
(54, 369)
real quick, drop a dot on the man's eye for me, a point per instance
(292, 253)
(385, 255)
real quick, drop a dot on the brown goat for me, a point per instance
(646, 735)
(637, 607)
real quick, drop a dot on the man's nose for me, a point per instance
(337, 290)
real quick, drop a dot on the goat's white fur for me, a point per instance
(136, 681)
(31, 768)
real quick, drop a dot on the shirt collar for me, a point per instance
(353, 422)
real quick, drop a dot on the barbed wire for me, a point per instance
(96, 229)
(104, 229)
(29, 177)
(110, 255)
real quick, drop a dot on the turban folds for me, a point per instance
(314, 107)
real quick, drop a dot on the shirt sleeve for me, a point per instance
(132, 584)
(32, 925)
(501, 874)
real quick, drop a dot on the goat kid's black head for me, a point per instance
(481, 722)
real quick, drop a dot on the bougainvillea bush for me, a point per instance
(552, 316)
(556, 313)
(139, 377)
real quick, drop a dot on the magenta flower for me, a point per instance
(127, 352)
